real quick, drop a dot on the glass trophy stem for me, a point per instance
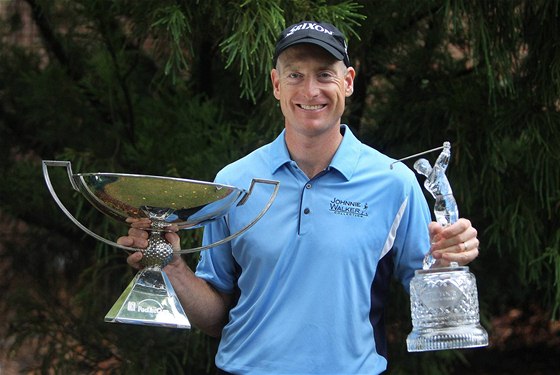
(149, 300)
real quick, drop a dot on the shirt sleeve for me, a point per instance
(412, 241)
(217, 265)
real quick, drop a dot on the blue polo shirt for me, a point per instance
(313, 274)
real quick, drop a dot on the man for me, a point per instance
(311, 277)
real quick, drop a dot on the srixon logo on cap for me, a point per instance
(309, 26)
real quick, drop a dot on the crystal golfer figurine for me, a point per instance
(443, 300)
(157, 205)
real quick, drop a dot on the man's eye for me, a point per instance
(294, 75)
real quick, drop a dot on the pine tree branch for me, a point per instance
(51, 41)
(75, 70)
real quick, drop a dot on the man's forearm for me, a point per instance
(205, 307)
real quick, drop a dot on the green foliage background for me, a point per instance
(181, 88)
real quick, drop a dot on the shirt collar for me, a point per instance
(279, 154)
(344, 161)
(347, 155)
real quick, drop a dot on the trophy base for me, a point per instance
(463, 337)
(149, 300)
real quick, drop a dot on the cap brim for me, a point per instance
(333, 51)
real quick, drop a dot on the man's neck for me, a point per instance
(313, 154)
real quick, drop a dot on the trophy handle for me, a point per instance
(245, 228)
(67, 164)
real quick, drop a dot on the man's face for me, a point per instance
(311, 86)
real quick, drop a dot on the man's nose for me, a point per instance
(311, 87)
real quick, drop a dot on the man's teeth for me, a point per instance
(311, 107)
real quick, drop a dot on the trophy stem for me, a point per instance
(149, 300)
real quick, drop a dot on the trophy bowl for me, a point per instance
(158, 205)
(171, 202)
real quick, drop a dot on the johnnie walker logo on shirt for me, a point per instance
(348, 208)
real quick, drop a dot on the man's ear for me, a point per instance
(275, 79)
(349, 80)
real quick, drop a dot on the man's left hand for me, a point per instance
(453, 243)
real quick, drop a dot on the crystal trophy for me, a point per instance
(443, 300)
(158, 205)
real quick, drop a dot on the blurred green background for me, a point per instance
(181, 88)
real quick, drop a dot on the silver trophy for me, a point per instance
(443, 300)
(158, 205)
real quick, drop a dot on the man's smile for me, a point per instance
(311, 107)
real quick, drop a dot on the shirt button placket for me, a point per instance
(306, 209)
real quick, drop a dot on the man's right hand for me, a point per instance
(138, 238)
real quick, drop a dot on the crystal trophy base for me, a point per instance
(444, 338)
(149, 299)
(445, 313)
